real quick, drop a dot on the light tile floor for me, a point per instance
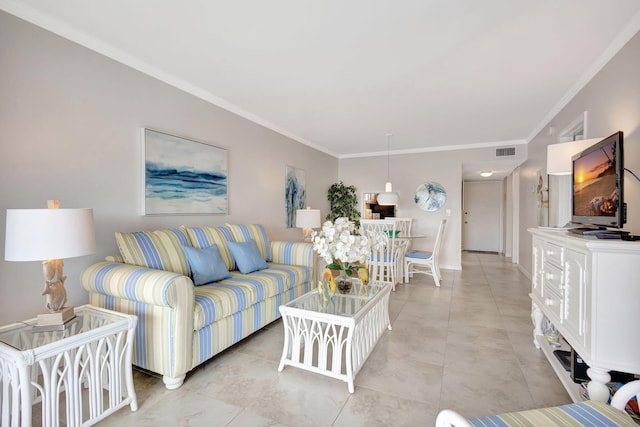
(466, 346)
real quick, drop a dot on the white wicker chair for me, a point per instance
(403, 227)
(425, 262)
(383, 261)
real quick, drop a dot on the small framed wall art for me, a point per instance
(294, 193)
(182, 176)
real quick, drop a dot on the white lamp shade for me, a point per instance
(559, 155)
(388, 198)
(46, 234)
(308, 218)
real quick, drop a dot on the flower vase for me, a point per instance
(344, 282)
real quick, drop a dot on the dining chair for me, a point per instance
(403, 242)
(425, 262)
(383, 260)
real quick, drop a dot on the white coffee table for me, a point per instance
(85, 368)
(334, 339)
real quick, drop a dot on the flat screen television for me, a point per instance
(598, 185)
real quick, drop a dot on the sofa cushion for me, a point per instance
(255, 232)
(590, 412)
(159, 249)
(247, 256)
(203, 237)
(206, 265)
(228, 296)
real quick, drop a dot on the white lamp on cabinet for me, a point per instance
(559, 155)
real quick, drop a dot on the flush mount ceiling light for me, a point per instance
(389, 197)
(486, 174)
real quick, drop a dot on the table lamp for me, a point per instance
(559, 155)
(307, 219)
(49, 235)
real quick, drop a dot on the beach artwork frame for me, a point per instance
(183, 176)
(295, 193)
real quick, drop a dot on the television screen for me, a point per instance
(597, 184)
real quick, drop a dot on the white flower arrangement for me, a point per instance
(340, 246)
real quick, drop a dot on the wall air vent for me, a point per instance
(508, 151)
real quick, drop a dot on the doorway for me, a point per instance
(482, 216)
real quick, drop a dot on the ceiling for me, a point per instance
(339, 75)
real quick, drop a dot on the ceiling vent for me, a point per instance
(509, 151)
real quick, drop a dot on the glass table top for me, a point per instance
(24, 336)
(342, 304)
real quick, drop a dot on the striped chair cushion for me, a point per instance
(588, 413)
(221, 299)
(160, 249)
(247, 232)
(203, 237)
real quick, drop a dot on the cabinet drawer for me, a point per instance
(552, 307)
(552, 253)
(552, 279)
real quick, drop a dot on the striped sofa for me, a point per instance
(622, 411)
(181, 325)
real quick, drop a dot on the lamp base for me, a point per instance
(307, 232)
(60, 317)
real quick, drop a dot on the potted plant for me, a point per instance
(343, 202)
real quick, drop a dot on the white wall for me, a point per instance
(612, 100)
(369, 175)
(407, 172)
(70, 121)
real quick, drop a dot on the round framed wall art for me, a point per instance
(430, 196)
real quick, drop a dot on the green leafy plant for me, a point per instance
(343, 202)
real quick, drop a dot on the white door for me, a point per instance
(482, 216)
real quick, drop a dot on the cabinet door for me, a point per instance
(537, 273)
(575, 289)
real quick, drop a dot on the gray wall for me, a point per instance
(70, 123)
(612, 102)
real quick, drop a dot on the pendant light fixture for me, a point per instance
(389, 197)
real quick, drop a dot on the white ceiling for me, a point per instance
(339, 75)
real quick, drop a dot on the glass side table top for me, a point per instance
(22, 336)
(342, 304)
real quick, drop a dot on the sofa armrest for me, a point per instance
(164, 303)
(139, 284)
(293, 253)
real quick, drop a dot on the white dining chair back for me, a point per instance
(403, 226)
(425, 262)
(383, 260)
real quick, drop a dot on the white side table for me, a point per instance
(85, 369)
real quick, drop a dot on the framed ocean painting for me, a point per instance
(182, 176)
(294, 193)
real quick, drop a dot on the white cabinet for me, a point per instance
(590, 290)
